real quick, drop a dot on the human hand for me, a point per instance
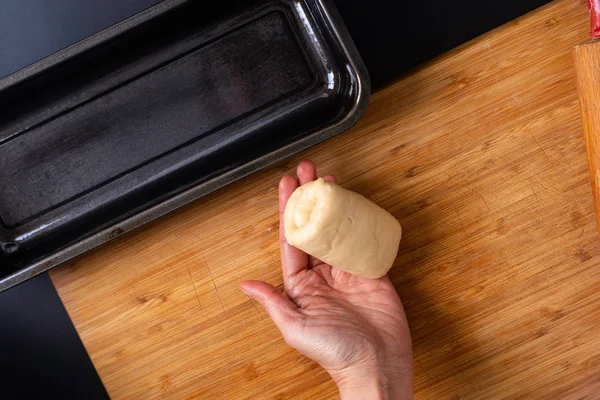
(353, 327)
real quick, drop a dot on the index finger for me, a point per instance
(293, 260)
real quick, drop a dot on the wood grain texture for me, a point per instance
(480, 154)
(587, 68)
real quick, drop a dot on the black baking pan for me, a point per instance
(159, 110)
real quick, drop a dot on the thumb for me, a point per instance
(281, 310)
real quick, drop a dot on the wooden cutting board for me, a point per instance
(479, 154)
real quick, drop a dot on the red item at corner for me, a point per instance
(594, 6)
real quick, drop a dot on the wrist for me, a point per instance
(367, 387)
(374, 383)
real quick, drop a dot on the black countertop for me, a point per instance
(40, 345)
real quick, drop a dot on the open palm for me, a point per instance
(354, 327)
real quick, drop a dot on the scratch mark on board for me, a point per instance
(194, 285)
(214, 284)
(540, 146)
(537, 199)
(484, 200)
(257, 311)
(426, 372)
(567, 161)
(276, 265)
(461, 223)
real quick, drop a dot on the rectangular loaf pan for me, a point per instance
(159, 110)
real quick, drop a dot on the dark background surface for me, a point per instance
(40, 347)
(392, 36)
(42, 356)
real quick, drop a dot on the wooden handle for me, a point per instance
(587, 67)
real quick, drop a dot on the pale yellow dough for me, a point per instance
(342, 229)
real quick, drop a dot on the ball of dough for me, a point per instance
(342, 229)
